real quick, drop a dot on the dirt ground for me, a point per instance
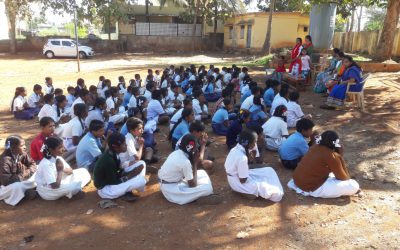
(370, 220)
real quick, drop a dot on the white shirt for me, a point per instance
(177, 78)
(131, 152)
(305, 62)
(176, 168)
(18, 103)
(78, 100)
(95, 114)
(49, 111)
(154, 110)
(198, 109)
(236, 163)
(33, 99)
(102, 92)
(244, 89)
(46, 173)
(294, 113)
(242, 75)
(48, 89)
(247, 103)
(176, 117)
(278, 100)
(132, 102)
(73, 128)
(122, 90)
(110, 103)
(157, 79)
(192, 78)
(147, 94)
(172, 97)
(227, 78)
(71, 99)
(275, 128)
(218, 86)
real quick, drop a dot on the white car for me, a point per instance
(65, 48)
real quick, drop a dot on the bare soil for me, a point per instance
(371, 141)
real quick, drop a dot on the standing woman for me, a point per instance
(351, 75)
(295, 54)
(55, 178)
(322, 172)
(17, 171)
(20, 107)
(260, 182)
(308, 45)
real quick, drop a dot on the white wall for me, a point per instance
(3, 22)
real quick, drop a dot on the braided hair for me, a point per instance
(50, 143)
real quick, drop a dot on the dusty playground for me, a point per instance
(369, 220)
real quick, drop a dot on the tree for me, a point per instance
(267, 41)
(384, 49)
(376, 17)
(15, 9)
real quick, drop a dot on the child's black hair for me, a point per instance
(279, 111)
(197, 126)
(83, 93)
(185, 113)
(328, 138)
(284, 92)
(227, 102)
(150, 86)
(51, 143)
(79, 109)
(70, 88)
(58, 91)
(304, 124)
(80, 82)
(100, 101)
(132, 123)
(186, 101)
(96, 125)
(45, 121)
(48, 98)
(294, 96)
(156, 95)
(37, 87)
(12, 141)
(115, 139)
(58, 100)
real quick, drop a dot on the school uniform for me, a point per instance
(292, 150)
(102, 92)
(33, 100)
(154, 110)
(94, 114)
(278, 100)
(48, 111)
(263, 182)
(294, 113)
(36, 146)
(173, 177)
(257, 116)
(70, 184)
(107, 176)
(323, 173)
(268, 97)
(75, 127)
(175, 118)
(218, 86)
(198, 109)
(157, 79)
(218, 120)
(22, 113)
(180, 130)
(131, 154)
(77, 100)
(48, 89)
(121, 88)
(17, 175)
(71, 99)
(246, 104)
(234, 129)
(126, 99)
(147, 94)
(164, 84)
(117, 117)
(274, 130)
(175, 97)
(87, 151)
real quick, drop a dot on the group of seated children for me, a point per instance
(109, 131)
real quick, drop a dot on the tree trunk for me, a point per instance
(352, 20)
(11, 16)
(109, 27)
(196, 13)
(359, 19)
(215, 23)
(267, 42)
(385, 46)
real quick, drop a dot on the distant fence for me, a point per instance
(166, 29)
(363, 41)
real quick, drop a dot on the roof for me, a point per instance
(277, 13)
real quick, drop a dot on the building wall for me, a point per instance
(363, 41)
(285, 28)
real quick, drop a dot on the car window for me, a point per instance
(57, 43)
(66, 43)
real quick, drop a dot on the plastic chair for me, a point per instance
(358, 96)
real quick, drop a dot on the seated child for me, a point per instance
(294, 112)
(17, 172)
(48, 86)
(54, 177)
(260, 182)
(279, 70)
(280, 98)
(48, 110)
(322, 172)
(121, 85)
(80, 85)
(199, 106)
(180, 181)
(181, 127)
(20, 107)
(209, 90)
(47, 126)
(60, 104)
(113, 104)
(35, 99)
(220, 120)
(176, 99)
(235, 127)
(257, 114)
(90, 147)
(273, 88)
(155, 110)
(295, 147)
(82, 99)
(111, 180)
(70, 97)
(187, 103)
(275, 129)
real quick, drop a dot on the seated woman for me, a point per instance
(236, 127)
(74, 130)
(220, 120)
(351, 75)
(20, 107)
(180, 181)
(260, 182)
(91, 146)
(336, 74)
(275, 129)
(327, 74)
(181, 127)
(295, 147)
(47, 126)
(54, 177)
(17, 172)
(322, 172)
(110, 179)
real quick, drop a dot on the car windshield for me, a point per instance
(74, 42)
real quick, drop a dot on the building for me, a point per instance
(248, 31)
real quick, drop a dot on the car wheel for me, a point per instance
(82, 55)
(49, 54)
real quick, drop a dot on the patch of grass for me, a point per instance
(261, 61)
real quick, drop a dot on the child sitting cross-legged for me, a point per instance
(220, 120)
(294, 112)
(275, 129)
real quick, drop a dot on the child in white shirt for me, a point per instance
(305, 63)
(275, 129)
(294, 112)
(34, 100)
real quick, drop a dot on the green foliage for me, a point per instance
(340, 23)
(261, 61)
(70, 29)
(376, 17)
